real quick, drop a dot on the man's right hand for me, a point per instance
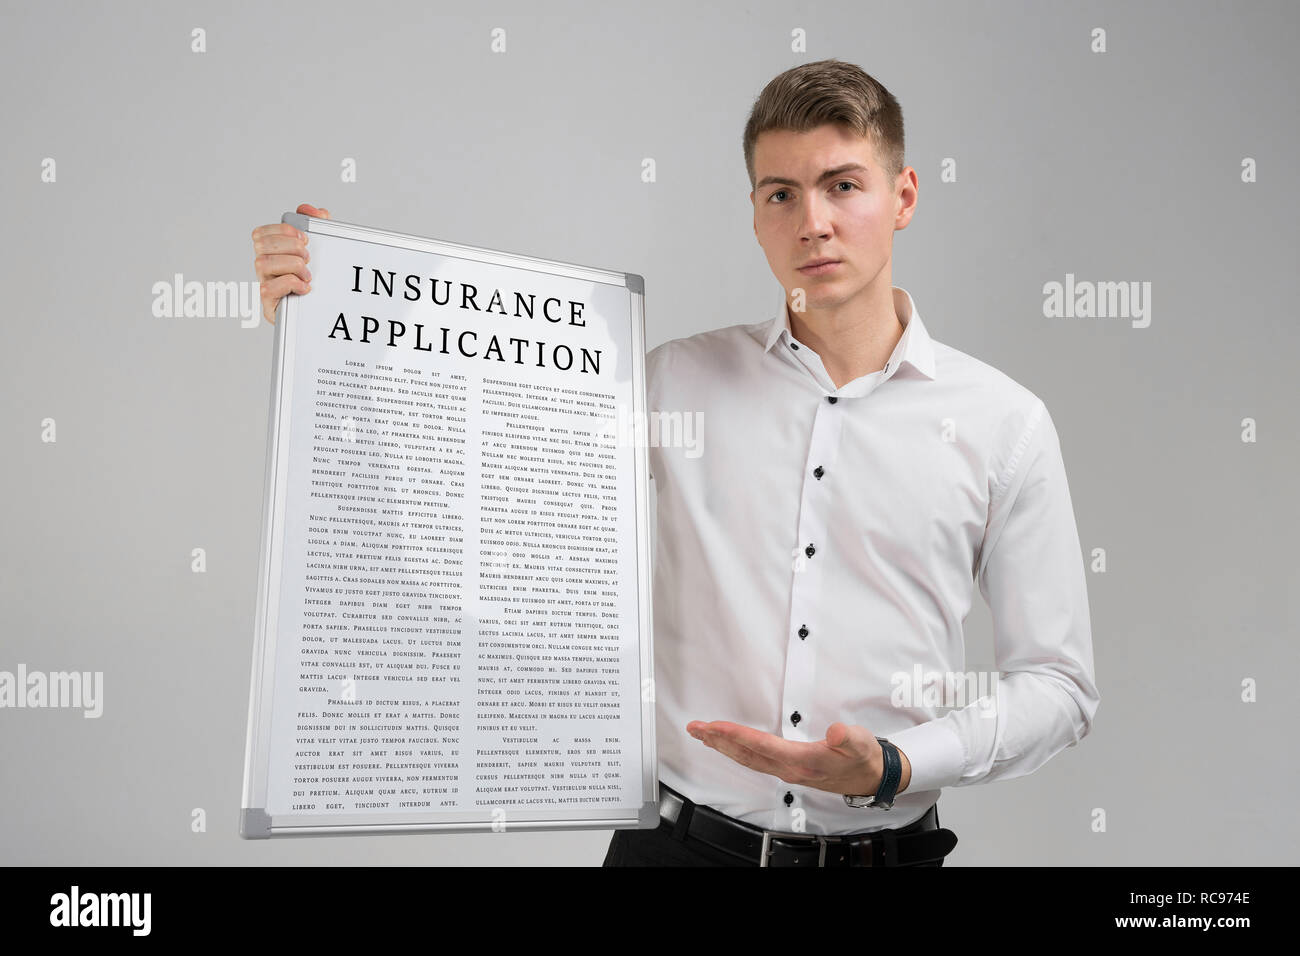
(281, 261)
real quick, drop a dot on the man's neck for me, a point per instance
(854, 340)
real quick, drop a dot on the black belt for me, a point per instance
(922, 841)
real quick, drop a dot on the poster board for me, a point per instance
(453, 625)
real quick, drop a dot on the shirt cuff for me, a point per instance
(935, 753)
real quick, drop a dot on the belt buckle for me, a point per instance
(766, 850)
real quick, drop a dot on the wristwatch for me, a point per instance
(883, 798)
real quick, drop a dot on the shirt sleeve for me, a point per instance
(1031, 572)
(654, 376)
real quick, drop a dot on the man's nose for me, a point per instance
(815, 222)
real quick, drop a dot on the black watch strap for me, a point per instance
(891, 778)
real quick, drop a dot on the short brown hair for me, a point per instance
(829, 91)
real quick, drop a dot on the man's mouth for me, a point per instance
(819, 266)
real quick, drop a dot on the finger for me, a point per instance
(281, 286)
(794, 761)
(749, 758)
(278, 242)
(277, 229)
(851, 739)
(812, 764)
(769, 745)
(272, 265)
(307, 209)
(276, 289)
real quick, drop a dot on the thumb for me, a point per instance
(852, 740)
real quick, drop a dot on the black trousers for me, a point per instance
(658, 847)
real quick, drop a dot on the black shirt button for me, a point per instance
(803, 632)
(795, 718)
(789, 798)
(795, 346)
(810, 550)
(832, 399)
(818, 472)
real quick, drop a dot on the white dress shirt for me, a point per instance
(936, 471)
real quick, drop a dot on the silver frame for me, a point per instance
(255, 822)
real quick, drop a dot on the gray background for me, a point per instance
(1123, 166)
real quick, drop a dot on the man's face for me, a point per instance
(802, 214)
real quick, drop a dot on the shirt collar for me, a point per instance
(914, 346)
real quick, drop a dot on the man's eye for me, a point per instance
(775, 194)
(845, 182)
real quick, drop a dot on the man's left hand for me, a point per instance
(849, 760)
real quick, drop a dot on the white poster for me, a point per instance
(454, 620)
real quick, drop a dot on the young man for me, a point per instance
(857, 478)
(815, 563)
